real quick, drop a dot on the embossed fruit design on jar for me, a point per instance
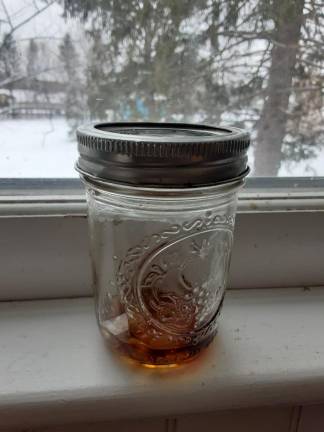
(161, 209)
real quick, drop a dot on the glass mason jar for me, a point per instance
(161, 208)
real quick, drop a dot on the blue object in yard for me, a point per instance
(126, 112)
(141, 108)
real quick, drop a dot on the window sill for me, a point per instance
(55, 368)
(279, 237)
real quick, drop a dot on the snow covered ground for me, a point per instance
(43, 148)
(37, 148)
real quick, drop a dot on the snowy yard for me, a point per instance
(37, 148)
(43, 148)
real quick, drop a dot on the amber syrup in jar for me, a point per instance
(136, 339)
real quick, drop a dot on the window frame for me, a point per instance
(65, 197)
(279, 237)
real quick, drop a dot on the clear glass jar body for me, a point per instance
(160, 261)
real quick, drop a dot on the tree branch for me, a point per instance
(25, 21)
(39, 38)
(39, 11)
(4, 7)
(12, 80)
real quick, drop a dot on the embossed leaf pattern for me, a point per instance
(177, 291)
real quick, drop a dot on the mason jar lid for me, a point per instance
(162, 154)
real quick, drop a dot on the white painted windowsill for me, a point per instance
(55, 367)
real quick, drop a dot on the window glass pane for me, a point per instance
(254, 64)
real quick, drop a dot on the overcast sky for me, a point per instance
(49, 23)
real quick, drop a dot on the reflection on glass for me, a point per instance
(254, 64)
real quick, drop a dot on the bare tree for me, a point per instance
(9, 72)
(273, 120)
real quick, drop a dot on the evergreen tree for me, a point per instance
(32, 67)
(139, 58)
(258, 64)
(9, 59)
(74, 99)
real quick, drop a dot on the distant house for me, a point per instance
(32, 98)
(6, 98)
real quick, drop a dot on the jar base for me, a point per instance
(132, 348)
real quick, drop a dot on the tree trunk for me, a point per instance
(273, 119)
